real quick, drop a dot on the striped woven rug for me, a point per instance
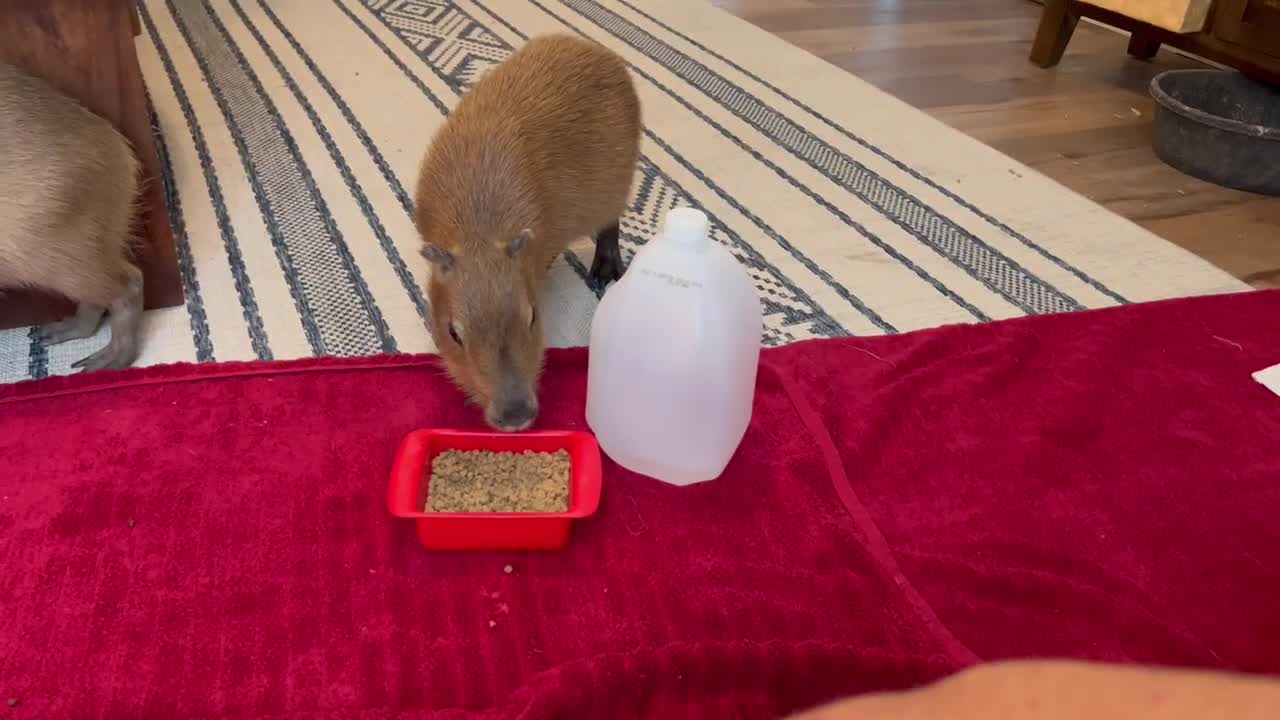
(291, 132)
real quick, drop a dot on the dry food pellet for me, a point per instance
(486, 481)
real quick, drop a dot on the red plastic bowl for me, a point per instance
(407, 496)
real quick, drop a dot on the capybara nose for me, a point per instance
(516, 415)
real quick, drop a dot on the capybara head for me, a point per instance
(485, 321)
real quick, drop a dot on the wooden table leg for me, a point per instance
(1142, 45)
(1057, 23)
(85, 49)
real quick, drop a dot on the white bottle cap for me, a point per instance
(687, 227)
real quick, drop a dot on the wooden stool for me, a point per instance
(1242, 34)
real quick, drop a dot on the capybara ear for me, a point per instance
(519, 242)
(438, 256)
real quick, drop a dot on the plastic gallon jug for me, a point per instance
(674, 350)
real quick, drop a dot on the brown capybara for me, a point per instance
(541, 151)
(68, 193)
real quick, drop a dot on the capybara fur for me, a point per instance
(69, 185)
(540, 152)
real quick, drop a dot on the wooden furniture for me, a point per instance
(1243, 34)
(85, 48)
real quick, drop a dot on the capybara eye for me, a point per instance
(453, 333)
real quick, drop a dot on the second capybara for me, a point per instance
(69, 184)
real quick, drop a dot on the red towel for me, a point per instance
(213, 541)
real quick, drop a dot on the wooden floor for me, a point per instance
(1085, 123)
